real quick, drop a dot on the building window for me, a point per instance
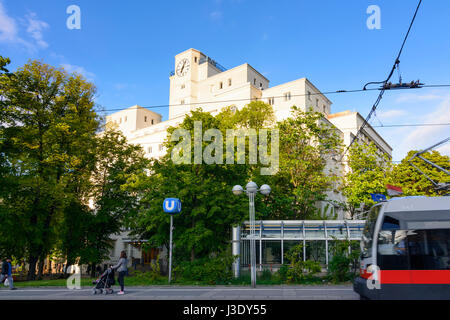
(271, 101)
(309, 95)
(152, 121)
(229, 82)
(254, 81)
(317, 103)
(160, 147)
(221, 85)
(324, 109)
(125, 118)
(182, 101)
(149, 149)
(195, 59)
(260, 85)
(120, 120)
(145, 119)
(287, 96)
(182, 86)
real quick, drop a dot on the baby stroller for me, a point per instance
(104, 283)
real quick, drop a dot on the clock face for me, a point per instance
(183, 67)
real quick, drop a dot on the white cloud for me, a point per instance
(35, 28)
(9, 30)
(424, 137)
(410, 97)
(8, 26)
(391, 114)
(444, 149)
(80, 70)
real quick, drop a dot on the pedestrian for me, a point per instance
(4, 273)
(7, 273)
(121, 267)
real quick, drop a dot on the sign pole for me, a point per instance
(171, 206)
(170, 249)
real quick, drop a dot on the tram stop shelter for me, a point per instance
(275, 237)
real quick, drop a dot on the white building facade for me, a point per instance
(200, 82)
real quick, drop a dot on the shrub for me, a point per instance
(282, 272)
(339, 266)
(299, 270)
(213, 270)
(266, 275)
(152, 275)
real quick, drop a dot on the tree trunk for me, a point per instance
(93, 267)
(192, 254)
(40, 268)
(32, 268)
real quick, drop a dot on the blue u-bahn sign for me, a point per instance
(378, 197)
(172, 205)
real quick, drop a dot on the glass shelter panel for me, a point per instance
(336, 230)
(356, 230)
(314, 230)
(271, 229)
(271, 252)
(293, 229)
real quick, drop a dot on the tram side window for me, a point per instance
(367, 237)
(429, 249)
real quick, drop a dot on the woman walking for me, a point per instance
(121, 267)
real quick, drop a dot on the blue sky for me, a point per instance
(127, 49)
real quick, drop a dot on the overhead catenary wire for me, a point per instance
(259, 99)
(380, 96)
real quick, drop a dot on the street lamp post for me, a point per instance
(251, 190)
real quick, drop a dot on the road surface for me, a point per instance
(329, 292)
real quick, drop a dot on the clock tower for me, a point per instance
(191, 69)
(183, 83)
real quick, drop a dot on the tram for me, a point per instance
(405, 250)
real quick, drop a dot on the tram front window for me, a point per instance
(367, 236)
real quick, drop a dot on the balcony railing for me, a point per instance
(211, 61)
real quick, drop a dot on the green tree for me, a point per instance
(47, 114)
(208, 207)
(116, 162)
(369, 172)
(415, 183)
(308, 144)
(62, 183)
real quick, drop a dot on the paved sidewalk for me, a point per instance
(338, 292)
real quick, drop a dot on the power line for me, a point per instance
(380, 96)
(245, 99)
(403, 125)
(259, 99)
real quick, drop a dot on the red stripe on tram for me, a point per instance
(415, 276)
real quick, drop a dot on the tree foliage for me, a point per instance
(415, 183)
(369, 171)
(308, 147)
(53, 163)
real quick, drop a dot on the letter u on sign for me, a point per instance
(172, 205)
